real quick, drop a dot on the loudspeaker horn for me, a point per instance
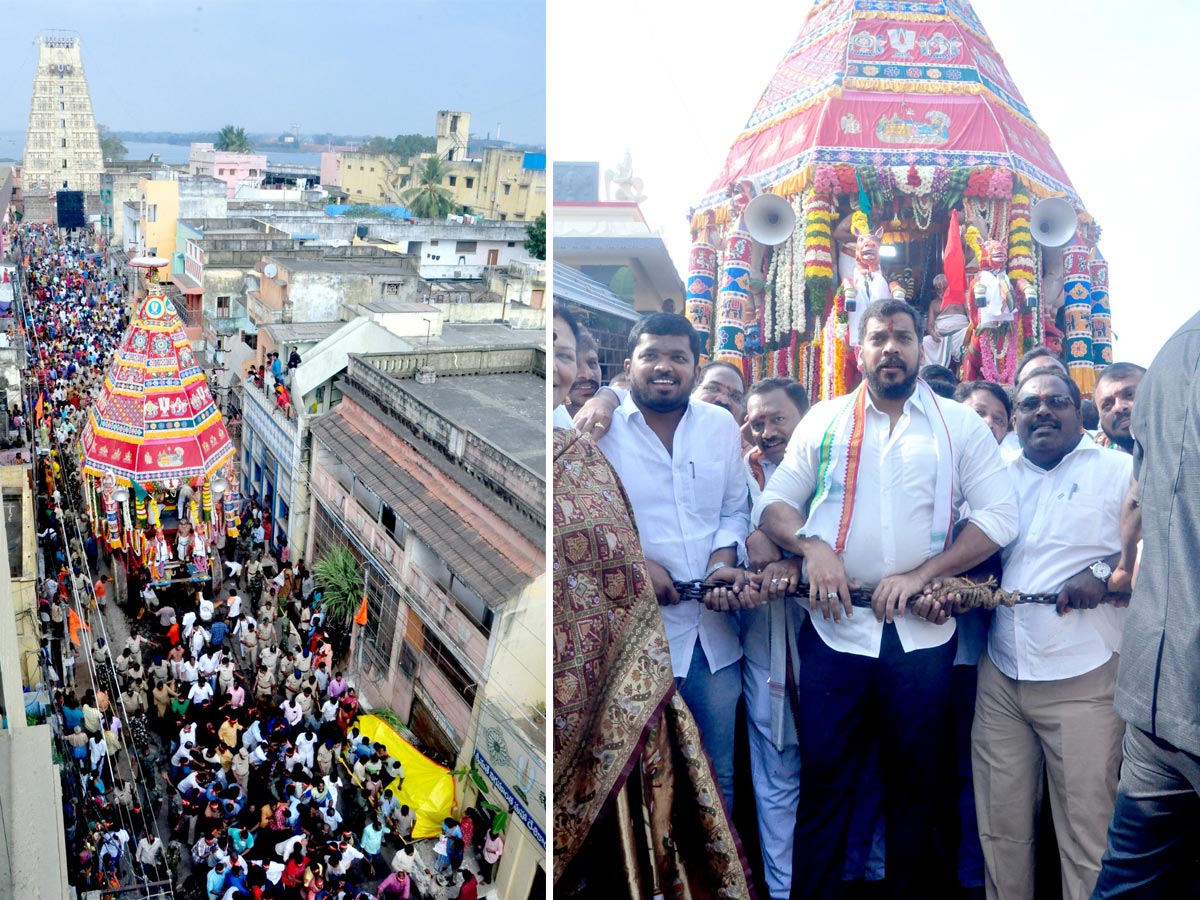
(769, 219)
(1053, 222)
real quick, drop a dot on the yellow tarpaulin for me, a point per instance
(428, 787)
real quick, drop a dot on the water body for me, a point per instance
(12, 147)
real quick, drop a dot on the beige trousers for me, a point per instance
(1071, 727)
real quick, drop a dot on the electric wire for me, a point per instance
(143, 783)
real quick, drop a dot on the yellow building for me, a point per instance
(372, 178)
(508, 185)
(158, 200)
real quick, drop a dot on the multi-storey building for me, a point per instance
(498, 183)
(431, 470)
(235, 169)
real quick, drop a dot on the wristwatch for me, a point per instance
(1101, 570)
(713, 568)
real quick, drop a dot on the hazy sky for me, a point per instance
(674, 82)
(359, 67)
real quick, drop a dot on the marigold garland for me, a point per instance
(818, 251)
(1020, 240)
(975, 241)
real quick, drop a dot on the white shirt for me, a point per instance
(1010, 447)
(1070, 518)
(235, 606)
(687, 504)
(200, 692)
(893, 515)
(562, 418)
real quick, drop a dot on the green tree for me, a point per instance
(111, 146)
(378, 145)
(233, 140)
(340, 579)
(535, 242)
(406, 146)
(429, 200)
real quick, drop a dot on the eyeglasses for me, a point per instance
(1054, 402)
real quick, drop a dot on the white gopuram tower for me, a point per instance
(62, 146)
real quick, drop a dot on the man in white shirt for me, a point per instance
(1047, 682)
(866, 495)
(680, 462)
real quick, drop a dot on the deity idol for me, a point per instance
(995, 313)
(160, 556)
(868, 283)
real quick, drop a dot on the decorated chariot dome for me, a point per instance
(897, 120)
(155, 422)
(157, 457)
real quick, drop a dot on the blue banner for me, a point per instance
(510, 798)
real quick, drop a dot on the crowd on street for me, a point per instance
(209, 734)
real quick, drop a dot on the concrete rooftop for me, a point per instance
(301, 332)
(508, 411)
(389, 266)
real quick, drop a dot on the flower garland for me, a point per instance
(797, 311)
(818, 250)
(1020, 241)
(975, 241)
(988, 354)
(785, 279)
(833, 350)
(826, 181)
(922, 208)
(914, 180)
(995, 184)
(811, 351)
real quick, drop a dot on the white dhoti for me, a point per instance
(952, 329)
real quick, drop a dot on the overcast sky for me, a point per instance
(358, 67)
(674, 82)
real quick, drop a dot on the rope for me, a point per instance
(971, 595)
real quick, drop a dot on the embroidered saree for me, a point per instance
(637, 810)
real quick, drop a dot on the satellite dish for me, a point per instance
(270, 269)
(149, 262)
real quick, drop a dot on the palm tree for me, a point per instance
(341, 582)
(233, 140)
(429, 200)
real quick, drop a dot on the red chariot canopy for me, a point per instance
(886, 83)
(156, 420)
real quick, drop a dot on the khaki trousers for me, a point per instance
(1071, 727)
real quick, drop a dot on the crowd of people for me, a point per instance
(216, 747)
(821, 569)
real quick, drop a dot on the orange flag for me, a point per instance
(360, 617)
(40, 409)
(74, 623)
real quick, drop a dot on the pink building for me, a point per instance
(234, 169)
(331, 168)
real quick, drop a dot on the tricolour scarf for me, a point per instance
(839, 460)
